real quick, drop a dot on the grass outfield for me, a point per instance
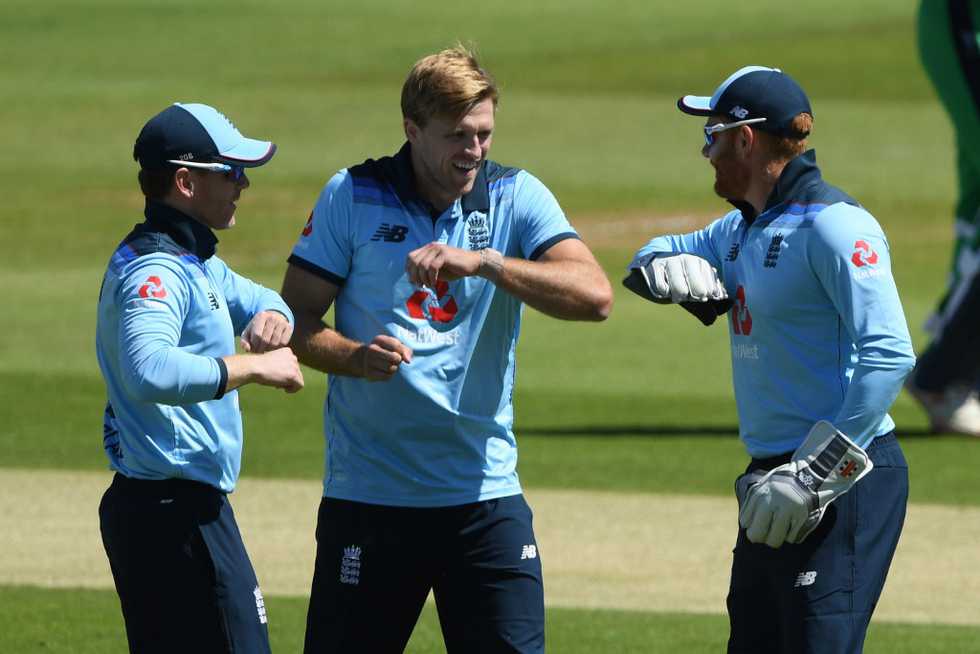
(639, 406)
(88, 622)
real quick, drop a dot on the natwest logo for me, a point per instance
(741, 316)
(441, 308)
(152, 287)
(863, 254)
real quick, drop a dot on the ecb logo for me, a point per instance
(478, 231)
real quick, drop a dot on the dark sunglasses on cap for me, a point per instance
(711, 130)
(234, 173)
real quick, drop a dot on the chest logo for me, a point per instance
(772, 255)
(441, 308)
(478, 231)
(732, 253)
(741, 316)
(309, 225)
(213, 301)
(863, 255)
(390, 233)
(152, 287)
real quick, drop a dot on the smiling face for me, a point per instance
(447, 153)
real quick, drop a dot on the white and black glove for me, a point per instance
(684, 279)
(787, 503)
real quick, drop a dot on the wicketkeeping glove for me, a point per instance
(788, 502)
(676, 278)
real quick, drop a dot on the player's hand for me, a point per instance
(279, 368)
(436, 261)
(683, 277)
(787, 504)
(380, 359)
(268, 330)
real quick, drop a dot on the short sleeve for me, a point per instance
(325, 246)
(540, 220)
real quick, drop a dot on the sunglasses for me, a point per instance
(234, 173)
(711, 130)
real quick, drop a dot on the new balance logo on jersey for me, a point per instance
(732, 252)
(390, 233)
(260, 605)
(529, 552)
(213, 301)
(805, 579)
(350, 566)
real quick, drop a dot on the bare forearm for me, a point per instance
(567, 289)
(319, 346)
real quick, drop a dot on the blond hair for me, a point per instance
(447, 84)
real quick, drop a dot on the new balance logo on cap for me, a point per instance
(390, 233)
(805, 579)
(739, 112)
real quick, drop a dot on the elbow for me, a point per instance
(601, 304)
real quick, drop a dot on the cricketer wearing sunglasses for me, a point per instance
(820, 348)
(428, 257)
(169, 312)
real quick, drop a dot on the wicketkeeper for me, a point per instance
(820, 348)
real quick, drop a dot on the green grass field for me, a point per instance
(640, 404)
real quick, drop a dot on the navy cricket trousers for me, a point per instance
(180, 568)
(817, 597)
(376, 564)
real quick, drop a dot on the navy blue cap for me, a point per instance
(197, 133)
(753, 92)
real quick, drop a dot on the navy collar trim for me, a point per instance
(798, 174)
(403, 180)
(184, 230)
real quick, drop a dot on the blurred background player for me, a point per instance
(169, 311)
(817, 335)
(430, 255)
(947, 374)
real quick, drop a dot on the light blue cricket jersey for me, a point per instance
(168, 311)
(817, 328)
(440, 432)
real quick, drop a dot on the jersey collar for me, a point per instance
(797, 175)
(478, 199)
(184, 230)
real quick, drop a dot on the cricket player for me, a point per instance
(820, 348)
(168, 314)
(947, 375)
(428, 256)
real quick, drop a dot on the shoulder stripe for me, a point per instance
(370, 191)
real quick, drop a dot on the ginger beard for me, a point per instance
(732, 175)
